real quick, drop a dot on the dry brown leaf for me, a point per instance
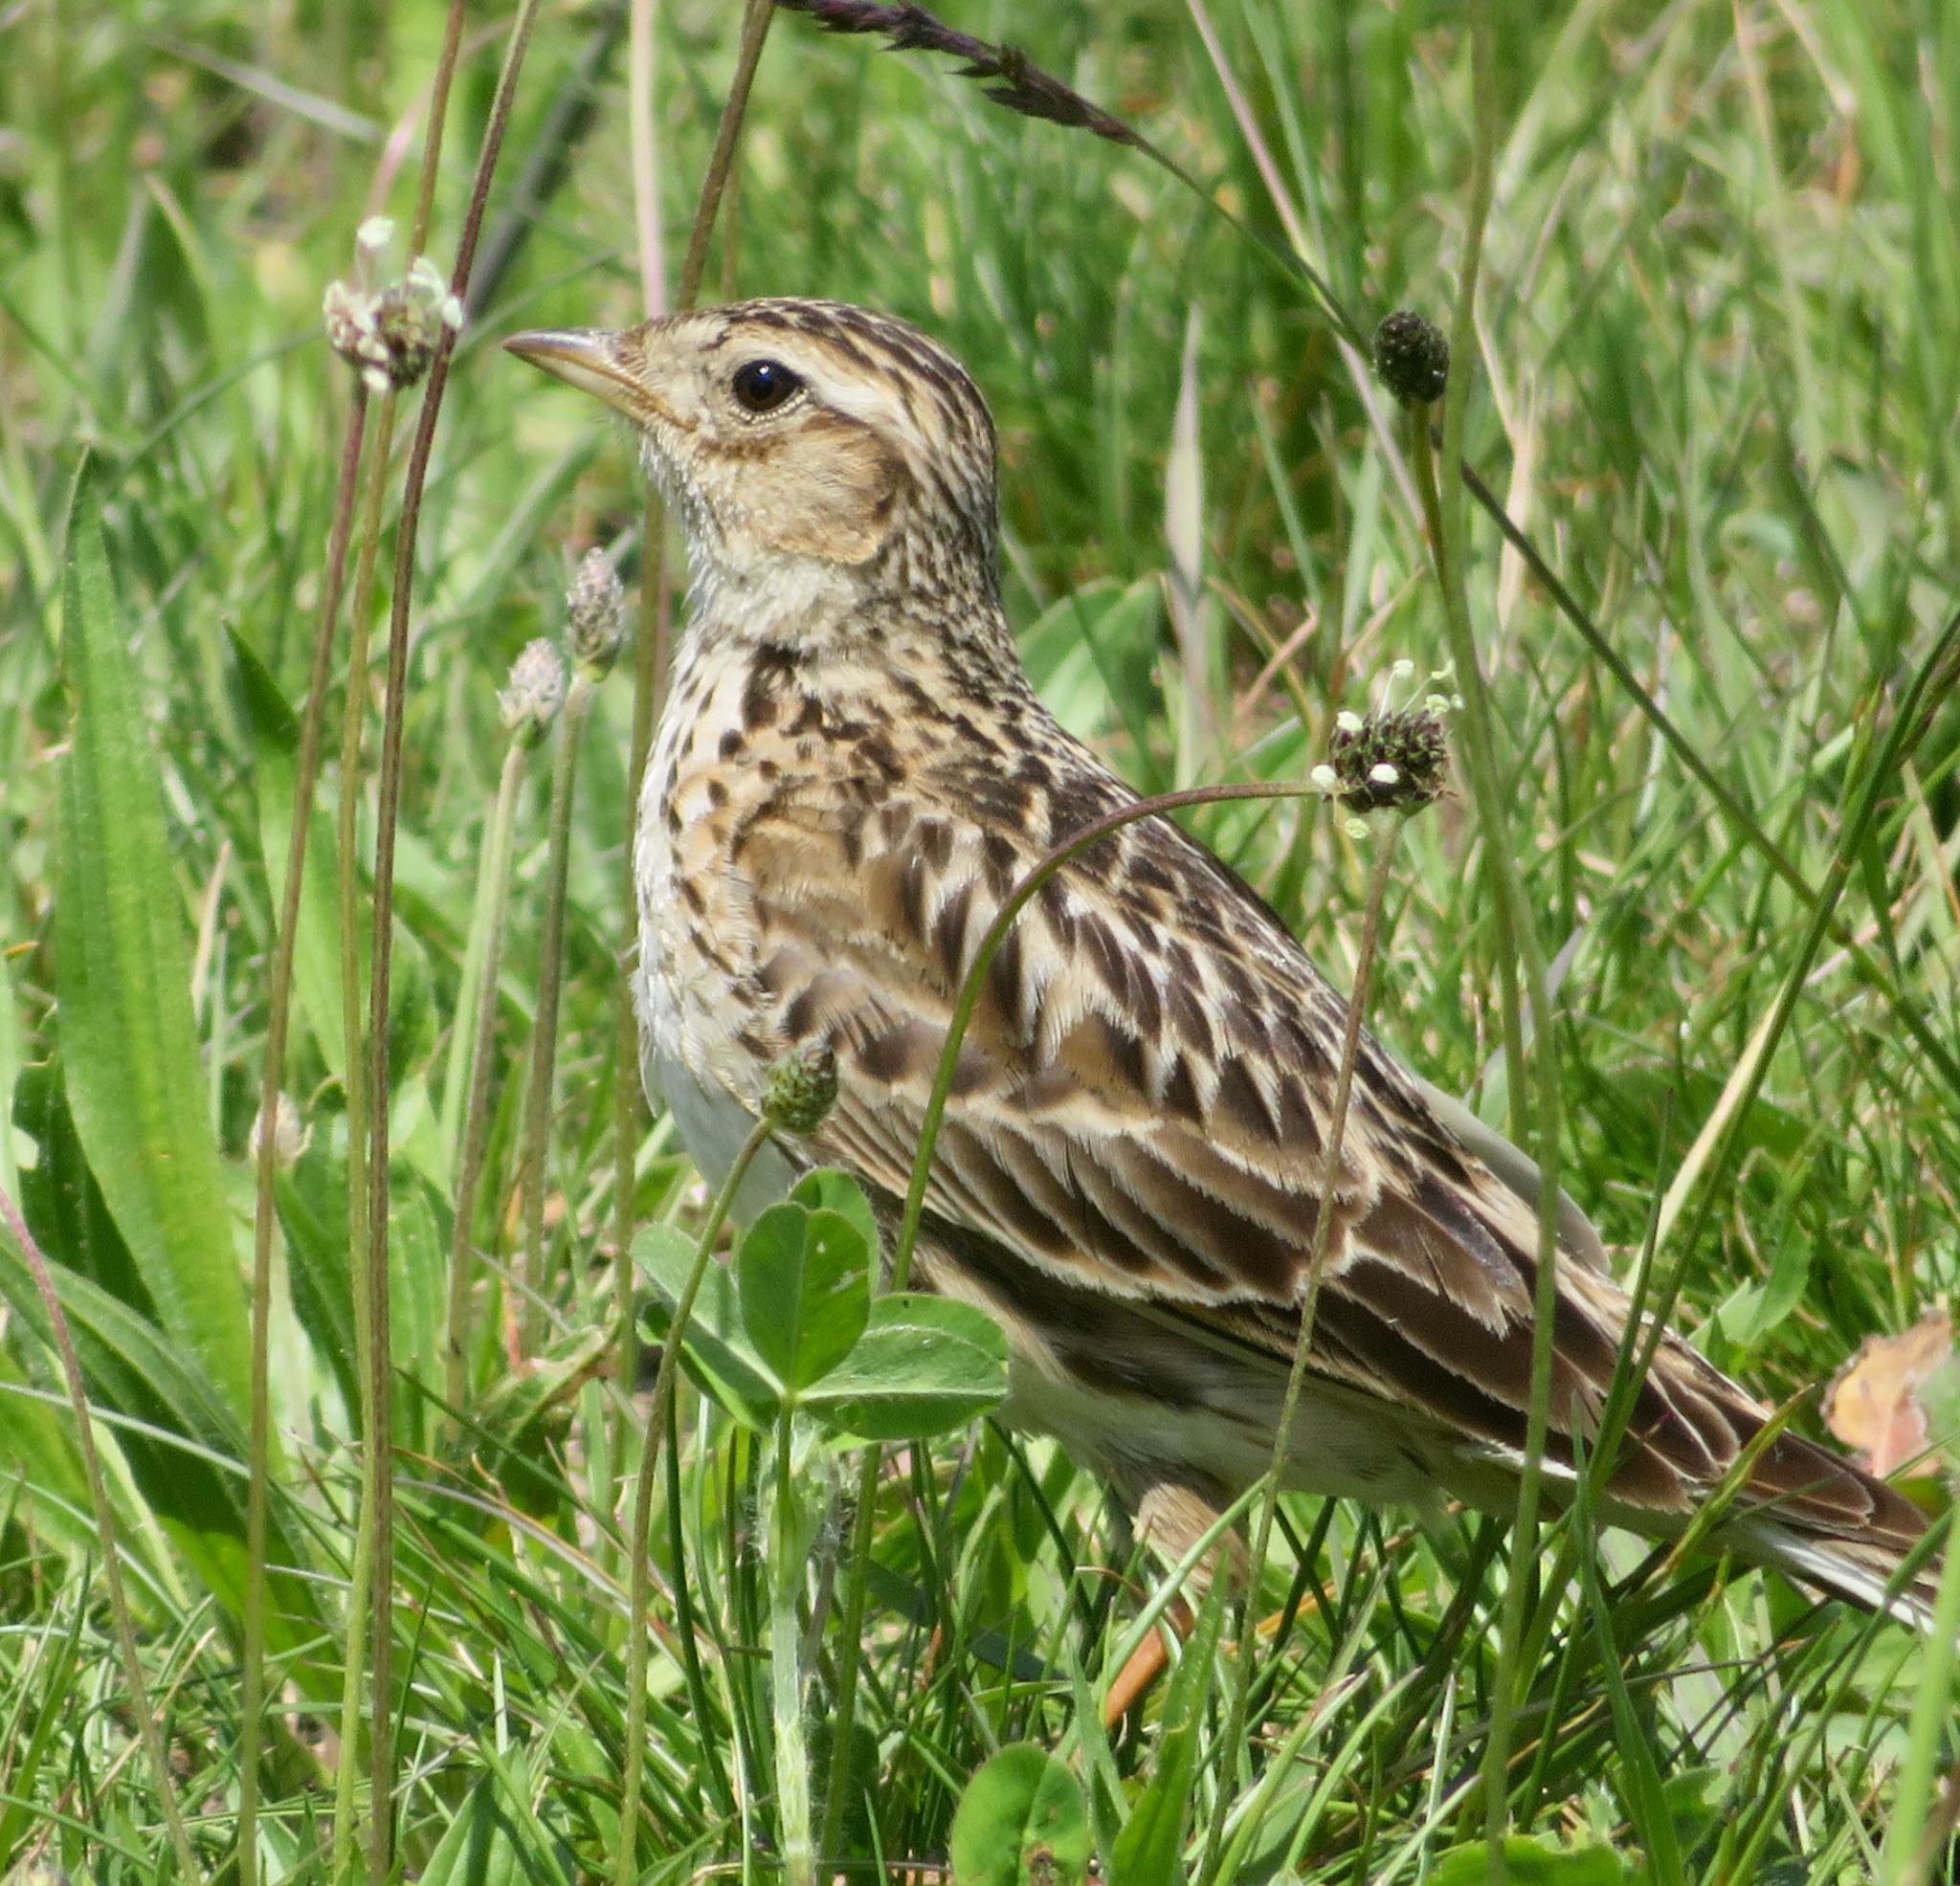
(1872, 1402)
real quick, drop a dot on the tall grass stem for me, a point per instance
(353, 712)
(1387, 831)
(544, 1056)
(649, 686)
(790, 1526)
(498, 847)
(272, 1083)
(1444, 511)
(377, 1504)
(639, 1584)
(864, 1527)
(756, 15)
(353, 1010)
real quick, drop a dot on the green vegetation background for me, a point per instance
(1718, 381)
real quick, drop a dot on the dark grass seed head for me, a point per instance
(1017, 81)
(1413, 358)
(1394, 760)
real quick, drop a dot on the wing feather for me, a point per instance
(1137, 1142)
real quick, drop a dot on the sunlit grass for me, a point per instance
(1715, 382)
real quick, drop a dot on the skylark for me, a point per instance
(851, 773)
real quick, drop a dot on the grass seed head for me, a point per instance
(1394, 759)
(802, 1089)
(1411, 358)
(388, 335)
(595, 614)
(535, 693)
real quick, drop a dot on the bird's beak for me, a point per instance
(589, 358)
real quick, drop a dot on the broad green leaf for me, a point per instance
(827, 1189)
(1149, 1851)
(317, 941)
(805, 1283)
(923, 1365)
(123, 974)
(1533, 1863)
(716, 1347)
(1695, 1799)
(60, 1199)
(1021, 1822)
(134, 1369)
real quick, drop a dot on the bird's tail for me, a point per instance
(1827, 1522)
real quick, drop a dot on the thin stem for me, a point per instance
(279, 1012)
(790, 1531)
(1444, 508)
(354, 711)
(557, 141)
(640, 1581)
(1504, 943)
(476, 1122)
(649, 687)
(460, 1062)
(856, 1586)
(147, 1726)
(379, 1491)
(438, 117)
(543, 1061)
(354, 1076)
(1387, 831)
(865, 1525)
(640, 125)
(756, 15)
(649, 690)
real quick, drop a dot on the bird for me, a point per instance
(850, 775)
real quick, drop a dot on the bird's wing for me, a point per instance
(1140, 1112)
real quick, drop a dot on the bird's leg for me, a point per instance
(1171, 1519)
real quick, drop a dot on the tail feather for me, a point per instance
(1861, 1570)
(1829, 1523)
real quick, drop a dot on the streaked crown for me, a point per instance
(806, 431)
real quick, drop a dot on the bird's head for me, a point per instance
(816, 454)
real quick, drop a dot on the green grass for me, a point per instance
(1717, 384)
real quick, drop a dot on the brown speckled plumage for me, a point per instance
(851, 773)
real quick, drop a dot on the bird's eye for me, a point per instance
(761, 386)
